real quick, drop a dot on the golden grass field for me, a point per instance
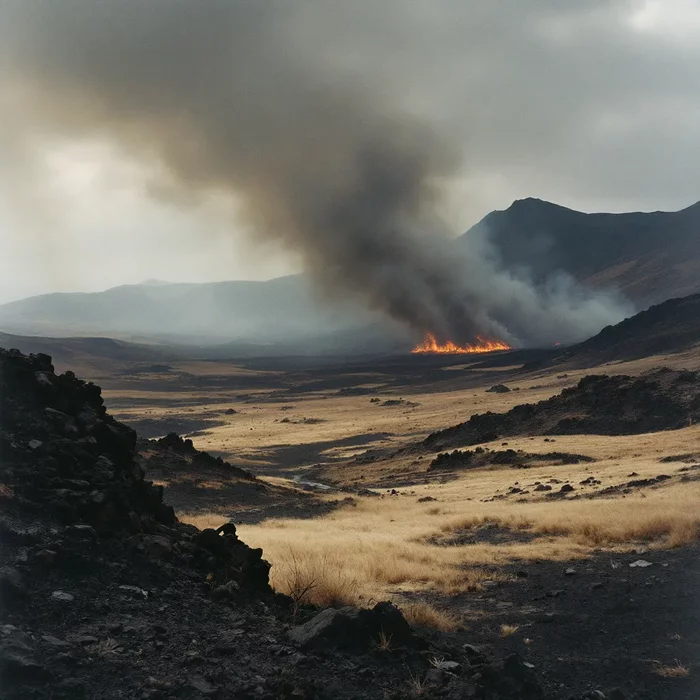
(390, 546)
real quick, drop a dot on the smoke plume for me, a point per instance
(249, 99)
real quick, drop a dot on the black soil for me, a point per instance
(596, 622)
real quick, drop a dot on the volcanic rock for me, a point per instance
(352, 628)
(661, 399)
(498, 389)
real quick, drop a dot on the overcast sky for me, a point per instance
(594, 105)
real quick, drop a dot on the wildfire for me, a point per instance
(430, 345)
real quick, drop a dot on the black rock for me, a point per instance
(12, 585)
(353, 628)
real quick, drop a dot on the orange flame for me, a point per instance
(430, 345)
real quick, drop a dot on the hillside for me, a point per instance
(673, 326)
(662, 399)
(649, 257)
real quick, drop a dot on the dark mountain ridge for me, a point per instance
(648, 256)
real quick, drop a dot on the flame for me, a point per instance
(430, 345)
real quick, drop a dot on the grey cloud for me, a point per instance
(338, 125)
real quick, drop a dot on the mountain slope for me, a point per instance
(649, 257)
(670, 327)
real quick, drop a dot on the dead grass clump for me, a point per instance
(314, 580)
(509, 630)
(428, 616)
(383, 643)
(674, 670)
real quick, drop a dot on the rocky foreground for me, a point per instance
(105, 594)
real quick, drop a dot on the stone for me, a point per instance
(566, 488)
(543, 487)
(62, 596)
(498, 389)
(450, 666)
(82, 533)
(616, 694)
(640, 564)
(435, 677)
(12, 585)
(353, 628)
(55, 641)
(229, 642)
(227, 591)
(472, 650)
(35, 444)
(156, 547)
(43, 381)
(203, 686)
(87, 639)
(134, 591)
(513, 679)
(570, 571)
(18, 660)
(46, 556)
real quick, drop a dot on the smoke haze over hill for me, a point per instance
(322, 154)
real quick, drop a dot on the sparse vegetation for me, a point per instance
(384, 641)
(672, 670)
(429, 616)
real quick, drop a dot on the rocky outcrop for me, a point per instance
(64, 456)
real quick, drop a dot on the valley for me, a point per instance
(515, 553)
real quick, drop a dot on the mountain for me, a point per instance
(649, 257)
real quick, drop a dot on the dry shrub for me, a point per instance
(428, 616)
(314, 580)
(509, 630)
(674, 670)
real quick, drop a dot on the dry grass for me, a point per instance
(674, 670)
(508, 630)
(429, 616)
(379, 549)
(383, 643)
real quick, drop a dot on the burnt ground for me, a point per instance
(605, 625)
(662, 399)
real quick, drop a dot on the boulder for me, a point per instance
(498, 389)
(353, 628)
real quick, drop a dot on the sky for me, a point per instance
(593, 105)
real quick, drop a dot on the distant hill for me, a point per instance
(673, 326)
(283, 311)
(649, 257)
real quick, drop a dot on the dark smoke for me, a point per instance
(242, 98)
